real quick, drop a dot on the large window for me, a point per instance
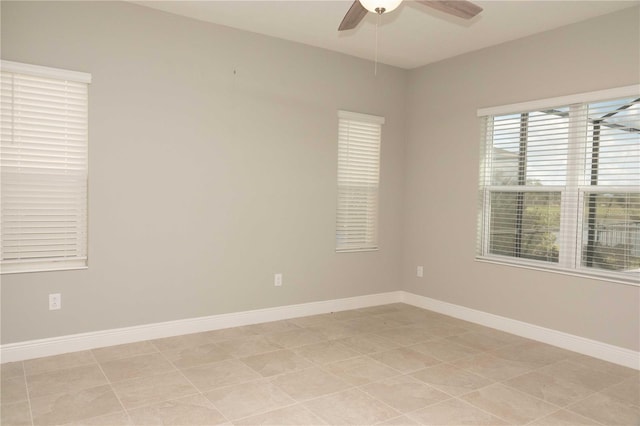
(43, 157)
(560, 184)
(358, 178)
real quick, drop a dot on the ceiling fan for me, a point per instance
(359, 8)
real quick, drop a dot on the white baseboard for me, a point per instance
(593, 348)
(77, 342)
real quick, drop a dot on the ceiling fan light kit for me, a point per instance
(380, 6)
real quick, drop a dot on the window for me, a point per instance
(43, 156)
(358, 178)
(560, 184)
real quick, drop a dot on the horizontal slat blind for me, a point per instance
(358, 177)
(44, 134)
(530, 149)
(610, 231)
(527, 159)
(561, 186)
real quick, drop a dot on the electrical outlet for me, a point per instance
(55, 301)
(277, 280)
(420, 271)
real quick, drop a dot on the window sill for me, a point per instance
(24, 269)
(533, 265)
(356, 250)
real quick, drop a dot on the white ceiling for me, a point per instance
(411, 36)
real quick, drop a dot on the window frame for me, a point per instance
(573, 193)
(14, 264)
(371, 182)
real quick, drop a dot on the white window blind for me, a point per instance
(359, 138)
(43, 156)
(560, 187)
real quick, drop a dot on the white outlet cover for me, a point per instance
(55, 301)
(420, 271)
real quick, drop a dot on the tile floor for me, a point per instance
(389, 365)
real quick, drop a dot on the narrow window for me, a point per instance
(43, 150)
(359, 138)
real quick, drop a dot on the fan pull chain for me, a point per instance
(375, 64)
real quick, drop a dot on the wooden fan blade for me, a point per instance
(353, 17)
(460, 8)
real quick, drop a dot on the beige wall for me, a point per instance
(442, 168)
(203, 183)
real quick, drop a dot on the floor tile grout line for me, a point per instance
(568, 406)
(461, 401)
(26, 385)
(568, 359)
(356, 388)
(408, 413)
(557, 407)
(449, 397)
(310, 411)
(562, 407)
(326, 395)
(459, 397)
(147, 405)
(637, 404)
(112, 389)
(349, 385)
(321, 366)
(29, 397)
(155, 350)
(267, 411)
(299, 346)
(126, 411)
(57, 370)
(396, 409)
(577, 356)
(597, 423)
(301, 403)
(144, 376)
(483, 410)
(197, 389)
